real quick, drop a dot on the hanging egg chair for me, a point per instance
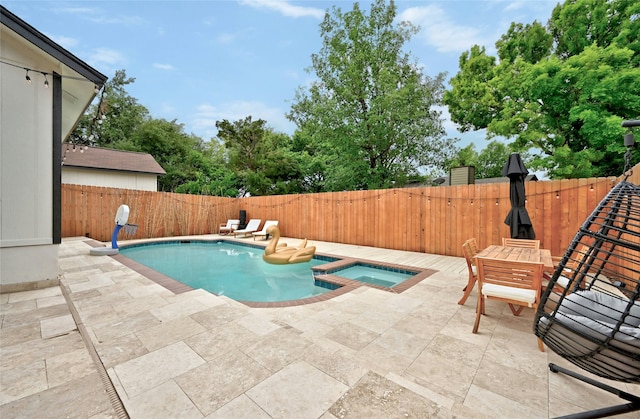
(589, 313)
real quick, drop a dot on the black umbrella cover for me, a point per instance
(518, 218)
(514, 166)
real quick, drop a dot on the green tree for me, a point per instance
(530, 43)
(369, 119)
(243, 141)
(578, 24)
(313, 164)
(279, 168)
(179, 154)
(466, 156)
(213, 176)
(488, 162)
(113, 118)
(565, 104)
(474, 100)
(492, 159)
(263, 160)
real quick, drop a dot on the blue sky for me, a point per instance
(202, 61)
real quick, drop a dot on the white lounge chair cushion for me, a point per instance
(253, 225)
(512, 293)
(231, 225)
(267, 224)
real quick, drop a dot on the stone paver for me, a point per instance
(150, 370)
(297, 390)
(57, 326)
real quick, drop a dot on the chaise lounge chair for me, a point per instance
(263, 232)
(229, 227)
(253, 226)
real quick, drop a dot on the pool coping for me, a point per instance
(345, 285)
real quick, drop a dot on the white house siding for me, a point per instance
(26, 185)
(109, 179)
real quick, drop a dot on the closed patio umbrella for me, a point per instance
(518, 218)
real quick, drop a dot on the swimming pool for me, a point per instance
(236, 269)
(223, 268)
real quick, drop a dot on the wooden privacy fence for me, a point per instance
(90, 211)
(426, 219)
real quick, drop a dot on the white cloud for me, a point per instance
(78, 10)
(65, 41)
(437, 29)
(514, 6)
(163, 66)
(203, 123)
(239, 35)
(105, 57)
(167, 109)
(226, 38)
(119, 20)
(285, 8)
(97, 15)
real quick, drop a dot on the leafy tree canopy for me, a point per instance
(560, 91)
(180, 155)
(114, 118)
(368, 121)
(263, 160)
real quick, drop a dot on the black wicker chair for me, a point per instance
(594, 320)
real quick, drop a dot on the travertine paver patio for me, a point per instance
(365, 354)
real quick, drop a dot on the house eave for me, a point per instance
(41, 41)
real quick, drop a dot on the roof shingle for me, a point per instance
(108, 159)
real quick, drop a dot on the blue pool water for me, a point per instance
(224, 268)
(374, 275)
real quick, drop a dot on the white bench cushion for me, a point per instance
(512, 293)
